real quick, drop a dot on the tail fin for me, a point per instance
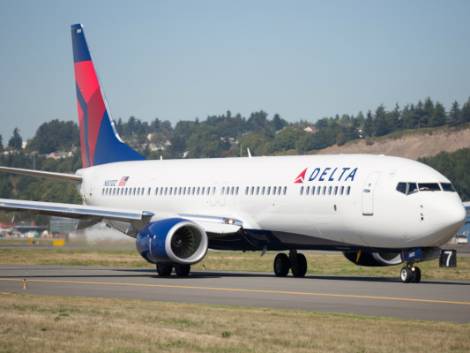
(99, 140)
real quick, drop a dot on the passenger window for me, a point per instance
(269, 191)
(324, 190)
(301, 190)
(307, 190)
(330, 189)
(313, 190)
(348, 190)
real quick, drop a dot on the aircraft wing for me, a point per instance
(75, 211)
(211, 224)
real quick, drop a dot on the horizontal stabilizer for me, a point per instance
(43, 174)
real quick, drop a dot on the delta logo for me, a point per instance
(327, 174)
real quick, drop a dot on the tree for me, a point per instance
(428, 111)
(438, 117)
(381, 123)
(16, 142)
(278, 123)
(393, 119)
(465, 117)
(55, 135)
(419, 116)
(1, 143)
(286, 139)
(369, 125)
(454, 114)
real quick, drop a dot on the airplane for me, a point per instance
(377, 210)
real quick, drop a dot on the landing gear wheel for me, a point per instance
(406, 275)
(410, 274)
(416, 274)
(299, 266)
(182, 270)
(164, 269)
(281, 265)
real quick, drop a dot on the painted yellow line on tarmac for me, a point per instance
(241, 290)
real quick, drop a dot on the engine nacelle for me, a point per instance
(366, 258)
(172, 240)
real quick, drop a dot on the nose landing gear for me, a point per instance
(296, 262)
(410, 274)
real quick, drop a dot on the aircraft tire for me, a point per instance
(182, 270)
(406, 275)
(281, 265)
(164, 269)
(416, 274)
(299, 267)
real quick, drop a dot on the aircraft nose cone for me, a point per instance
(451, 218)
(455, 215)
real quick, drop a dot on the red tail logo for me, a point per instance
(300, 178)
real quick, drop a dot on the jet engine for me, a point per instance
(366, 258)
(173, 240)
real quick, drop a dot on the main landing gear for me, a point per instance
(164, 269)
(296, 262)
(410, 274)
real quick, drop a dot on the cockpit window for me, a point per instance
(447, 187)
(412, 188)
(401, 187)
(407, 188)
(429, 187)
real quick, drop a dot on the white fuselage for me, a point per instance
(351, 199)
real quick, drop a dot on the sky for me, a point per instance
(178, 60)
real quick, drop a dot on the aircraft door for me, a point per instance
(368, 194)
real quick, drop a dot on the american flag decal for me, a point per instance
(123, 181)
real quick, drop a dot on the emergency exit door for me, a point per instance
(368, 194)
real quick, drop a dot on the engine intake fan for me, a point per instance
(174, 240)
